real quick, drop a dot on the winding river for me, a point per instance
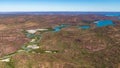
(35, 35)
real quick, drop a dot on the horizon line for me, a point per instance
(54, 11)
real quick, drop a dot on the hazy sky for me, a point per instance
(59, 5)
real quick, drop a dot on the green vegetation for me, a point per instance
(10, 64)
(68, 48)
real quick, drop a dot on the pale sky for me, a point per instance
(59, 5)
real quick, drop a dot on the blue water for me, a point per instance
(58, 28)
(30, 35)
(104, 23)
(101, 23)
(84, 27)
(112, 15)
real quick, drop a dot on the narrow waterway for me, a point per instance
(32, 46)
(35, 35)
